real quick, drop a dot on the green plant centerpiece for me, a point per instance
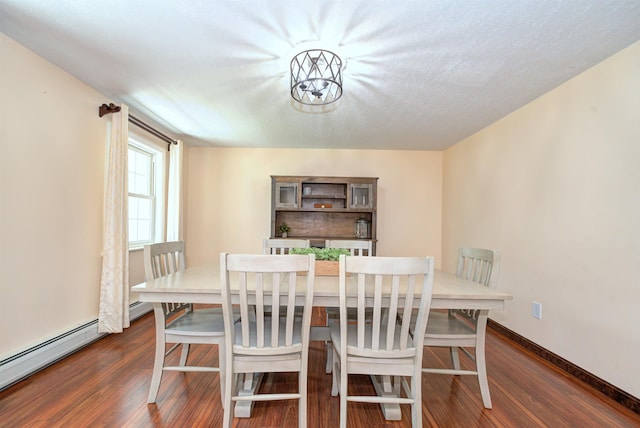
(332, 254)
(284, 229)
(326, 258)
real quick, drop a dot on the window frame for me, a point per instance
(158, 187)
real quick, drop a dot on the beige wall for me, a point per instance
(51, 178)
(556, 187)
(229, 196)
(51, 194)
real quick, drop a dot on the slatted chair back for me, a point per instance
(267, 284)
(357, 247)
(387, 290)
(478, 265)
(162, 259)
(282, 246)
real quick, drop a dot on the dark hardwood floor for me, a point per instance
(106, 385)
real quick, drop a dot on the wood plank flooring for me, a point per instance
(106, 385)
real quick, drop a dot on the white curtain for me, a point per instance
(174, 198)
(113, 315)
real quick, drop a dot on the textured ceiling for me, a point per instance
(418, 74)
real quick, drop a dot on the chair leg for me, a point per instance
(302, 402)
(416, 393)
(229, 389)
(329, 362)
(335, 377)
(455, 359)
(343, 397)
(222, 372)
(184, 354)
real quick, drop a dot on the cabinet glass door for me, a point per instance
(286, 195)
(361, 195)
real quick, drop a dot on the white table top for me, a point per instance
(201, 284)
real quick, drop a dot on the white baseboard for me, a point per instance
(26, 363)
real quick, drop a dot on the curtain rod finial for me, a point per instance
(106, 109)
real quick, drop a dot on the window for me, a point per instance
(146, 196)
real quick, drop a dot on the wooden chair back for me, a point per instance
(478, 265)
(162, 259)
(282, 246)
(358, 247)
(267, 293)
(390, 287)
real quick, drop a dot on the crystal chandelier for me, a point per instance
(316, 77)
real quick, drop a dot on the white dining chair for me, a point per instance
(466, 328)
(357, 247)
(382, 345)
(282, 246)
(263, 339)
(179, 323)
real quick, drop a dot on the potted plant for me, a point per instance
(326, 258)
(284, 230)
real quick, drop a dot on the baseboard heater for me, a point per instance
(24, 364)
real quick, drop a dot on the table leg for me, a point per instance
(384, 387)
(249, 386)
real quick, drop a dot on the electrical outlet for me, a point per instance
(536, 310)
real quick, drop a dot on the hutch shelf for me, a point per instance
(319, 208)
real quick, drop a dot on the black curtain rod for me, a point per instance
(112, 108)
(151, 130)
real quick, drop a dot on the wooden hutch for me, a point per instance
(319, 208)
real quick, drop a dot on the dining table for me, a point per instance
(201, 285)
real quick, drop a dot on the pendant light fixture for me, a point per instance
(316, 77)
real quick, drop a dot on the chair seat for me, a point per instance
(199, 321)
(352, 338)
(442, 325)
